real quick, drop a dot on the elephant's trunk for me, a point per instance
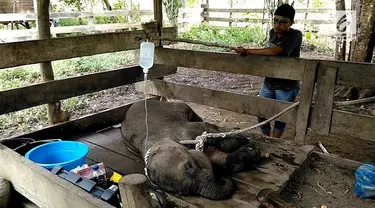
(212, 188)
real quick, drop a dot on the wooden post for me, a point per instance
(205, 13)
(230, 13)
(133, 191)
(55, 114)
(322, 112)
(158, 16)
(305, 101)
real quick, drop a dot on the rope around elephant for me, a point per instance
(200, 140)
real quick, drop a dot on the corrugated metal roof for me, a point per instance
(6, 6)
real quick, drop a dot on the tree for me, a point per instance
(172, 7)
(361, 48)
(341, 41)
(365, 31)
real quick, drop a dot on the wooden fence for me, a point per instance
(31, 34)
(28, 34)
(320, 117)
(207, 11)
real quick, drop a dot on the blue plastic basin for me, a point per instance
(67, 154)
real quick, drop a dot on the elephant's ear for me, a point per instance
(200, 158)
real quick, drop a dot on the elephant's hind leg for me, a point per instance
(228, 144)
(244, 158)
(241, 159)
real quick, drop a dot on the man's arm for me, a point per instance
(261, 51)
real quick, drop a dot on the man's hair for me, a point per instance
(285, 10)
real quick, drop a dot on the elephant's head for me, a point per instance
(186, 172)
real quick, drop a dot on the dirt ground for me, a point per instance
(323, 183)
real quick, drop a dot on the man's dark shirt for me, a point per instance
(291, 43)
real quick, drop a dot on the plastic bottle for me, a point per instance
(146, 56)
(99, 176)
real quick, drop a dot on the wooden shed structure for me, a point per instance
(45, 189)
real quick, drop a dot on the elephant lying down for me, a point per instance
(178, 168)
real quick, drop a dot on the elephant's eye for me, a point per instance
(188, 166)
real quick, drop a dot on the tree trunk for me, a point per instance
(307, 7)
(109, 7)
(366, 9)
(107, 4)
(371, 45)
(362, 47)
(54, 112)
(341, 41)
(230, 13)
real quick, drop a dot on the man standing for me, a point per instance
(284, 41)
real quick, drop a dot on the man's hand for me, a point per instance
(241, 51)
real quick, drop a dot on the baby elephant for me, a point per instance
(180, 168)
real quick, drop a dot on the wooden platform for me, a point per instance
(106, 146)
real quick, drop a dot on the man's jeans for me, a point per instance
(284, 95)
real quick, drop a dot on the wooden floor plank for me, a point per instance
(237, 200)
(113, 132)
(119, 163)
(110, 142)
(107, 146)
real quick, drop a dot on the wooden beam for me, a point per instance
(352, 124)
(305, 101)
(265, 66)
(14, 54)
(261, 10)
(225, 100)
(8, 17)
(91, 122)
(256, 20)
(40, 186)
(322, 112)
(353, 74)
(52, 91)
(337, 160)
(68, 29)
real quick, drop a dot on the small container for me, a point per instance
(67, 154)
(99, 176)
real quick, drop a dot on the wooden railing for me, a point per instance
(206, 15)
(319, 117)
(31, 52)
(89, 28)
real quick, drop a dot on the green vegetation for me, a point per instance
(252, 36)
(36, 117)
(231, 36)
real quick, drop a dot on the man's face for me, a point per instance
(281, 24)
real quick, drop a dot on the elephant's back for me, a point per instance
(161, 117)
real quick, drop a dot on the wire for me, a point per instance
(144, 87)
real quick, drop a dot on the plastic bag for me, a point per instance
(365, 181)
